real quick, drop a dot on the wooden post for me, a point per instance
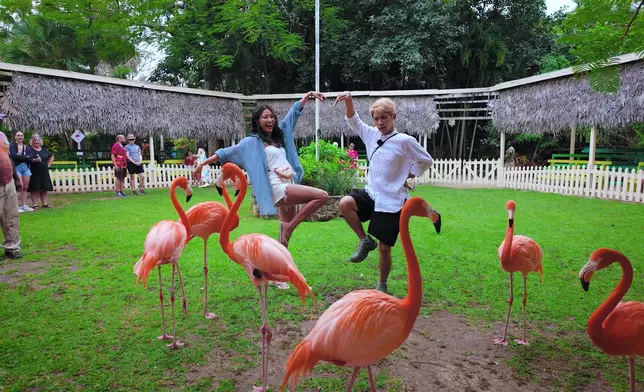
(573, 135)
(342, 141)
(425, 142)
(161, 141)
(152, 166)
(591, 157)
(501, 169)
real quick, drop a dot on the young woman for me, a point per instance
(203, 176)
(21, 156)
(269, 157)
(353, 155)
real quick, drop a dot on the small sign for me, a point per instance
(79, 153)
(78, 137)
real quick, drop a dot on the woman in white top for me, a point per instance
(205, 173)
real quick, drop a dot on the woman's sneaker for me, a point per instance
(20, 210)
(26, 208)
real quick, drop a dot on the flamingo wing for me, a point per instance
(261, 252)
(163, 244)
(206, 218)
(626, 324)
(360, 329)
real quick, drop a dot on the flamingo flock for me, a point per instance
(365, 326)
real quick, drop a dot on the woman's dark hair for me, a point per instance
(188, 152)
(275, 137)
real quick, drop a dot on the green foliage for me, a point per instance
(597, 31)
(553, 62)
(121, 72)
(331, 173)
(183, 144)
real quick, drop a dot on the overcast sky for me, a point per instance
(153, 54)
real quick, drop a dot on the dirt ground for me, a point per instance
(443, 353)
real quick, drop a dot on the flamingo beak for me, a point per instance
(236, 192)
(437, 224)
(585, 285)
(188, 197)
(219, 190)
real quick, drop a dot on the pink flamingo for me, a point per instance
(205, 219)
(264, 259)
(617, 328)
(365, 326)
(518, 254)
(163, 245)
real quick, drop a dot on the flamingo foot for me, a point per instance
(502, 341)
(521, 342)
(165, 336)
(258, 389)
(210, 316)
(176, 345)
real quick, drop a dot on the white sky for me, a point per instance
(554, 5)
(153, 55)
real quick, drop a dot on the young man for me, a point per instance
(393, 158)
(135, 164)
(119, 159)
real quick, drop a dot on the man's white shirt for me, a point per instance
(390, 164)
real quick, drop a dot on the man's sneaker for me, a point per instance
(123, 194)
(382, 287)
(365, 246)
(133, 193)
(21, 210)
(13, 254)
(26, 208)
(141, 192)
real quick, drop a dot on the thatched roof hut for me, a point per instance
(52, 104)
(559, 104)
(416, 115)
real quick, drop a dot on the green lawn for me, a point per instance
(72, 318)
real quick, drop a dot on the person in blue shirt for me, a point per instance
(270, 158)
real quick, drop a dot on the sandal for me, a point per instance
(46, 206)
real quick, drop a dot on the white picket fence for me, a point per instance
(609, 183)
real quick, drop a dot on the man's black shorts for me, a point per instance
(383, 225)
(134, 169)
(120, 172)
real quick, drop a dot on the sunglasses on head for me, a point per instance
(131, 140)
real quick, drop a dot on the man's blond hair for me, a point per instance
(383, 106)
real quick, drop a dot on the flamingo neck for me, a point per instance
(180, 211)
(227, 199)
(596, 320)
(507, 245)
(414, 298)
(224, 234)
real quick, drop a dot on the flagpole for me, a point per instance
(317, 76)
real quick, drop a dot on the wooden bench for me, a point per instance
(577, 162)
(65, 164)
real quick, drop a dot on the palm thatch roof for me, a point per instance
(51, 105)
(560, 104)
(415, 116)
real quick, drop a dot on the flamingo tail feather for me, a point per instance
(143, 267)
(301, 361)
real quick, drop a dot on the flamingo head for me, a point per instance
(420, 207)
(219, 183)
(510, 206)
(229, 171)
(182, 182)
(599, 259)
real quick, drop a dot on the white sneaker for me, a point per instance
(26, 208)
(20, 210)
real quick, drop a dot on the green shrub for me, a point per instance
(331, 173)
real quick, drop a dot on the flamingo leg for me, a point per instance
(164, 336)
(372, 380)
(183, 292)
(352, 380)
(503, 340)
(267, 335)
(174, 343)
(211, 315)
(631, 374)
(525, 299)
